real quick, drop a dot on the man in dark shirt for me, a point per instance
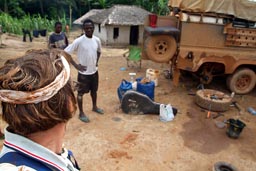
(58, 39)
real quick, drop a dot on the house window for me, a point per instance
(116, 33)
(99, 28)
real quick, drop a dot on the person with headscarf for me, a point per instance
(37, 101)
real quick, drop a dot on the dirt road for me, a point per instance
(121, 142)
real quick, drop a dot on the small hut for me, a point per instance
(118, 25)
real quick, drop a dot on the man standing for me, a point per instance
(58, 39)
(67, 30)
(88, 49)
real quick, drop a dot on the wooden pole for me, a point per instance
(70, 16)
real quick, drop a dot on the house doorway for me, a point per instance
(134, 35)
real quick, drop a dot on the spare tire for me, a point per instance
(213, 100)
(160, 48)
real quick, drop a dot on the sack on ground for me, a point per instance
(166, 113)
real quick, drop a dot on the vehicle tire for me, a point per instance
(223, 166)
(204, 98)
(242, 81)
(160, 48)
(228, 79)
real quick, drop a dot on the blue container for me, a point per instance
(123, 87)
(147, 88)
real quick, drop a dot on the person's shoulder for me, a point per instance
(52, 34)
(63, 33)
(96, 38)
(79, 39)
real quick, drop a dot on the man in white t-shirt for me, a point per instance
(88, 49)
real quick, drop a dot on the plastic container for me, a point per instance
(212, 20)
(184, 17)
(132, 75)
(153, 75)
(194, 18)
(152, 20)
(43, 32)
(123, 87)
(251, 110)
(146, 88)
(234, 128)
(36, 33)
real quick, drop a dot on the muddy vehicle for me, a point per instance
(208, 39)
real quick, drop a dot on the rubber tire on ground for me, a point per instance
(240, 77)
(214, 105)
(160, 48)
(223, 166)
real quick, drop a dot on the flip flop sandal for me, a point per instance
(99, 111)
(84, 119)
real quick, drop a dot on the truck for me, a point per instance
(207, 38)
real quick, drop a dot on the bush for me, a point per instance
(35, 22)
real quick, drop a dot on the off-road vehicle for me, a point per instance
(207, 38)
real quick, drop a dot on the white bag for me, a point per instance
(166, 113)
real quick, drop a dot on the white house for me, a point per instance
(118, 25)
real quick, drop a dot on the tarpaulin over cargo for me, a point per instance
(245, 9)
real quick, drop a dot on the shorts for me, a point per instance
(87, 83)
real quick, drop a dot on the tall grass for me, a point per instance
(35, 22)
(9, 24)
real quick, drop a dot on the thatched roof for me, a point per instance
(116, 15)
(87, 15)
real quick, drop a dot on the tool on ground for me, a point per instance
(235, 103)
(200, 87)
(251, 110)
(191, 93)
(209, 112)
(239, 107)
(217, 115)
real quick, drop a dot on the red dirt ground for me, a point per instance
(121, 142)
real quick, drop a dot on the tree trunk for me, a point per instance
(70, 16)
(41, 6)
(5, 6)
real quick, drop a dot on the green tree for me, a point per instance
(12, 7)
(103, 3)
(59, 8)
(163, 8)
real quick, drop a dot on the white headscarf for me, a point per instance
(39, 95)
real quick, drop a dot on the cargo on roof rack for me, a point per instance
(244, 9)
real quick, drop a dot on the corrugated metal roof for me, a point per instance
(116, 15)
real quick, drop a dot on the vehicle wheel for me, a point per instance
(228, 81)
(223, 166)
(213, 100)
(160, 48)
(242, 81)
